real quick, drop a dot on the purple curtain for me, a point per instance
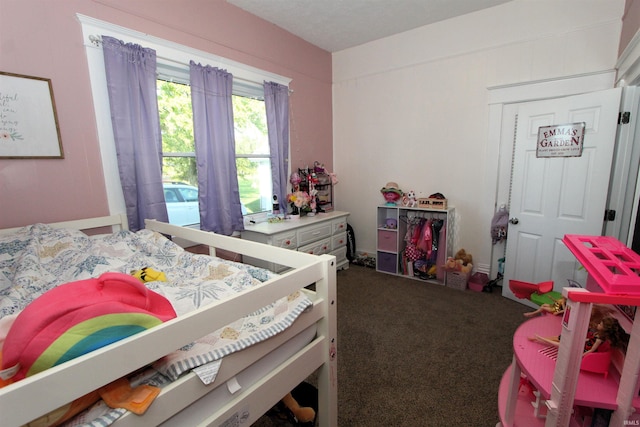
(276, 102)
(218, 192)
(131, 84)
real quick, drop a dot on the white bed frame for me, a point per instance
(39, 394)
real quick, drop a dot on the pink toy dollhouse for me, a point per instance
(554, 386)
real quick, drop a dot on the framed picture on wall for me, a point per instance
(28, 119)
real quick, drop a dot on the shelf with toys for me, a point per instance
(556, 379)
(318, 179)
(413, 239)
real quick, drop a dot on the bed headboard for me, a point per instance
(115, 222)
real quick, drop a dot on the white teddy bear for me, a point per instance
(409, 199)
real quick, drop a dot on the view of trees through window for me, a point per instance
(252, 145)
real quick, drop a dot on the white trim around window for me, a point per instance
(169, 54)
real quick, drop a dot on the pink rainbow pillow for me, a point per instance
(76, 318)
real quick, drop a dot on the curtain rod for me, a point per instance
(97, 42)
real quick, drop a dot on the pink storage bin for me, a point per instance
(387, 240)
(477, 281)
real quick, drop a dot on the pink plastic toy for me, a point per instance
(564, 377)
(596, 362)
(523, 290)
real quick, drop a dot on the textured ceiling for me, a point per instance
(335, 25)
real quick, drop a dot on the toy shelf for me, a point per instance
(392, 224)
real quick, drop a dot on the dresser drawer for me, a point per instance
(339, 225)
(312, 234)
(340, 254)
(287, 240)
(317, 248)
(339, 240)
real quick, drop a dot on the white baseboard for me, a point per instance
(483, 268)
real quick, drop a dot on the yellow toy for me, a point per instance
(148, 274)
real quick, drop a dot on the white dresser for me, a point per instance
(323, 233)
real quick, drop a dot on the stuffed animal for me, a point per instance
(462, 261)
(318, 167)
(465, 257)
(451, 263)
(303, 414)
(409, 199)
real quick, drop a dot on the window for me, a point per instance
(252, 143)
(176, 127)
(252, 154)
(252, 150)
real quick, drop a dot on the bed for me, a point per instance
(249, 381)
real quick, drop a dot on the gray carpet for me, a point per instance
(412, 353)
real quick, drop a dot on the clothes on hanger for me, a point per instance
(499, 225)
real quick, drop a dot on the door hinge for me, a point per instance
(609, 215)
(624, 117)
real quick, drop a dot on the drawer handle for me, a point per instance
(340, 241)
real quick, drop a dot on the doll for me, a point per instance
(608, 334)
(556, 308)
(598, 313)
(391, 193)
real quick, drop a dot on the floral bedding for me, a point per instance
(39, 257)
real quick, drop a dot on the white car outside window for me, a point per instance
(182, 204)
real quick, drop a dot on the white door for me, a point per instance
(551, 197)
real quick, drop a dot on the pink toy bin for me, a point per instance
(477, 281)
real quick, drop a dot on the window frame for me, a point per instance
(170, 56)
(254, 92)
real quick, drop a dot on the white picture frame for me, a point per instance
(28, 120)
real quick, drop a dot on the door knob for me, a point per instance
(514, 220)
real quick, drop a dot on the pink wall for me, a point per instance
(630, 23)
(43, 38)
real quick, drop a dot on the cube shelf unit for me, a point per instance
(391, 244)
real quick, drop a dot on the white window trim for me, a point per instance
(168, 53)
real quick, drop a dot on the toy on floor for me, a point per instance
(302, 414)
(462, 261)
(523, 290)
